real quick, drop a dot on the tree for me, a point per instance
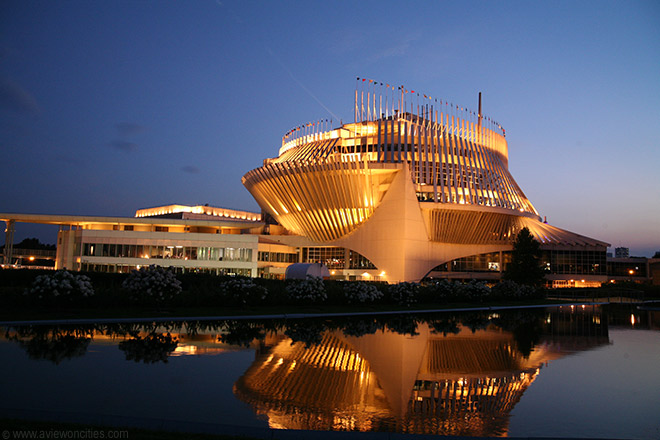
(525, 266)
(33, 243)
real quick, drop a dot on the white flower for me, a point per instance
(61, 284)
(243, 290)
(361, 292)
(404, 294)
(311, 289)
(152, 282)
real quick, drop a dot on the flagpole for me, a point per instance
(387, 109)
(380, 101)
(361, 105)
(355, 103)
(369, 101)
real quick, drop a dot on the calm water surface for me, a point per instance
(560, 372)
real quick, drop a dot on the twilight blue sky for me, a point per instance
(111, 106)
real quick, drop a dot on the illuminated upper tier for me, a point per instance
(452, 160)
(327, 181)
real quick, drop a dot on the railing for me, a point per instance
(619, 295)
(309, 132)
(376, 102)
(20, 266)
(37, 253)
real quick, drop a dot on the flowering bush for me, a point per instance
(527, 291)
(472, 291)
(61, 285)
(152, 283)
(437, 292)
(361, 292)
(243, 291)
(311, 289)
(404, 294)
(505, 289)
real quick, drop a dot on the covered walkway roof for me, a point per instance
(83, 220)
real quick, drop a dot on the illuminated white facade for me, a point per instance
(204, 212)
(164, 236)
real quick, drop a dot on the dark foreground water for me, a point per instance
(560, 372)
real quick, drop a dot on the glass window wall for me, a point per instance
(167, 252)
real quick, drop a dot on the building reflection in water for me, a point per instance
(441, 380)
(448, 374)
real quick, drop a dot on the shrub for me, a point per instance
(311, 290)
(361, 292)
(527, 291)
(153, 283)
(60, 286)
(243, 291)
(472, 291)
(437, 292)
(404, 294)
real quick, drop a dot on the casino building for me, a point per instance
(418, 187)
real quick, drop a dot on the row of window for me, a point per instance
(368, 145)
(125, 268)
(277, 257)
(575, 262)
(335, 258)
(489, 262)
(332, 257)
(452, 198)
(626, 269)
(166, 252)
(554, 262)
